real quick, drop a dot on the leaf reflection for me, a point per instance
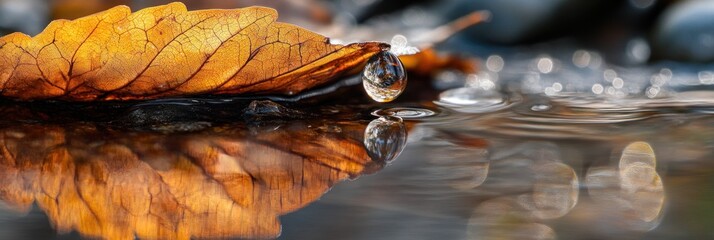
(225, 181)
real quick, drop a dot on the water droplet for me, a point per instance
(385, 138)
(404, 112)
(384, 77)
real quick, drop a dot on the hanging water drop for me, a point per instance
(384, 78)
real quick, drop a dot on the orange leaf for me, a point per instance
(220, 183)
(166, 51)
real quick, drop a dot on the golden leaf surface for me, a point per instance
(167, 51)
(218, 183)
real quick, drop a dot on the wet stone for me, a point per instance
(384, 77)
(265, 109)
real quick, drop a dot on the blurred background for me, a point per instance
(624, 31)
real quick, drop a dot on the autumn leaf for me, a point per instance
(168, 51)
(219, 183)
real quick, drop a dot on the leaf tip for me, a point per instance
(372, 46)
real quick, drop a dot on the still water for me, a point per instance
(528, 168)
(544, 157)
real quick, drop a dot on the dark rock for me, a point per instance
(260, 110)
(522, 21)
(685, 32)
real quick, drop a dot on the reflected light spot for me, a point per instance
(595, 60)
(494, 63)
(610, 91)
(487, 84)
(657, 80)
(638, 50)
(601, 181)
(550, 91)
(461, 167)
(545, 65)
(541, 107)
(399, 41)
(706, 77)
(652, 91)
(597, 88)
(620, 94)
(400, 46)
(472, 80)
(640, 181)
(557, 87)
(666, 74)
(638, 152)
(471, 96)
(609, 75)
(555, 191)
(482, 80)
(581, 58)
(618, 83)
(501, 218)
